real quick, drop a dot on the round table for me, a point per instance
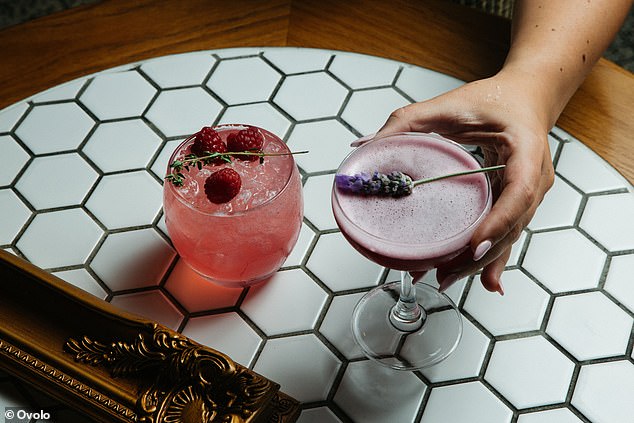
(81, 198)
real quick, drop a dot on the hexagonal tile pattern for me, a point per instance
(479, 405)
(54, 127)
(362, 71)
(80, 195)
(10, 168)
(321, 96)
(604, 392)
(128, 144)
(321, 139)
(367, 111)
(521, 309)
(183, 111)
(118, 95)
(617, 232)
(289, 302)
(132, 259)
(70, 233)
(589, 326)
(293, 361)
(179, 70)
(369, 392)
(258, 78)
(15, 215)
(564, 260)
(226, 332)
(57, 181)
(152, 305)
(126, 199)
(529, 372)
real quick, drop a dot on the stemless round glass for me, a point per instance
(406, 325)
(246, 240)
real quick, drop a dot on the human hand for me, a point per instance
(502, 115)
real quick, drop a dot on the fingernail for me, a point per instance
(500, 289)
(482, 249)
(362, 140)
(448, 280)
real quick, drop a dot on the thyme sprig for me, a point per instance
(177, 177)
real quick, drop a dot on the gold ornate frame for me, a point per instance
(117, 367)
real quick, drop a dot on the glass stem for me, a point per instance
(407, 315)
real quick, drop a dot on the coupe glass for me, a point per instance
(406, 325)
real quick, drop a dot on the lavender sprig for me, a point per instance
(394, 184)
(176, 175)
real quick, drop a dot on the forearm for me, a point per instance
(555, 44)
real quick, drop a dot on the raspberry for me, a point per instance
(222, 185)
(208, 140)
(249, 139)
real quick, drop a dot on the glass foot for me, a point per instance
(406, 346)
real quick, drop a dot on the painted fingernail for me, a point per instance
(500, 289)
(362, 140)
(448, 280)
(482, 249)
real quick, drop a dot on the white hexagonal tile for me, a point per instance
(293, 361)
(360, 71)
(14, 215)
(126, 199)
(559, 207)
(152, 305)
(556, 415)
(422, 84)
(9, 148)
(617, 232)
(589, 326)
(60, 238)
(118, 95)
(318, 415)
(367, 111)
(179, 70)
(371, 393)
(529, 372)
(619, 280)
(476, 405)
(516, 249)
(128, 144)
(54, 127)
(227, 333)
(11, 115)
(581, 166)
(604, 392)
(317, 204)
(183, 111)
(553, 145)
(336, 326)
(327, 143)
(262, 115)
(81, 278)
(521, 309)
(57, 181)
(132, 259)
(257, 80)
(340, 266)
(322, 96)
(564, 260)
(196, 293)
(295, 60)
(466, 361)
(66, 91)
(304, 241)
(288, 302)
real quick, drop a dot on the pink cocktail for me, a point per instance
(414, 232)
(247, 239)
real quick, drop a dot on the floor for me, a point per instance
(16, 11)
